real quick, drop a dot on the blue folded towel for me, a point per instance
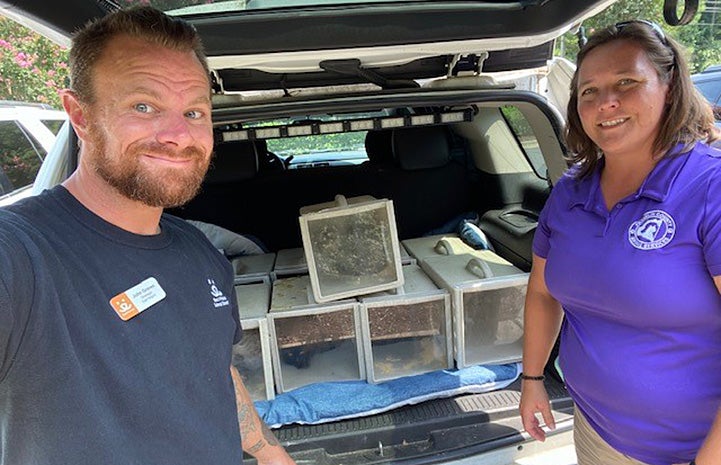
(326, 402)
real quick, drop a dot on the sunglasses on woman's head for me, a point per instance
(654, 27)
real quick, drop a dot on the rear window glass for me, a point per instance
(526, 138)
(186, 7)
(323, 147)
(53, 124)
(20, 157)
(320, 150)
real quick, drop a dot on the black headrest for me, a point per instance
(233, 161)
(378, 146)
(421, 148)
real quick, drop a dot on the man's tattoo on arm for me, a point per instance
(256, 447)
(268, 439)
(245, 419)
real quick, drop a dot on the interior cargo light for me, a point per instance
(422, 120)
(454, 117)
(267, 133)
(329, 128)
(233, 132)
(235, 135)
(305, 130)
(361, 125)
(387, 123)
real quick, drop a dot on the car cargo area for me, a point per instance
(493, 161)
(423, 171)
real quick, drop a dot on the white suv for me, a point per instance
(27, 132)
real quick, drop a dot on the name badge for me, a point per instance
(137, 299)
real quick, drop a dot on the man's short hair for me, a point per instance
(144, 23)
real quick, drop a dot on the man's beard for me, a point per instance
(171, 188)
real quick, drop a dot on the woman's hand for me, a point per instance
(534, 399)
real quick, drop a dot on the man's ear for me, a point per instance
(77, 112)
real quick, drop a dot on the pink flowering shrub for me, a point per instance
(32, 68)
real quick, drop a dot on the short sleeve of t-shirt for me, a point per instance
(236, 317)
(563, 192)
(7, 323)
(711, 226)
(541, 238)
(15, 296)
(541, 242)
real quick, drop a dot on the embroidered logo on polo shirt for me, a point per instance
(654, 230)
(219, 299)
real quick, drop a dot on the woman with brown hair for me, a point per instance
(628, 248)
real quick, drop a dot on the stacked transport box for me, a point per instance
(356, 304)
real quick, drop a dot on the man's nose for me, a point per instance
(175, 129)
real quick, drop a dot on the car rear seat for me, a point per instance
(379, 148)
(417, 168)
(233, 162)
(430, 186)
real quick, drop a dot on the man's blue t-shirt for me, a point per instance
(641, 341)
(78, 385)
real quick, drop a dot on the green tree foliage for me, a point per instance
(623, 10)
(32, 68)
(701, 38)
(340, 142)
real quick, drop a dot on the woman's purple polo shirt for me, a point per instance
(641, 341)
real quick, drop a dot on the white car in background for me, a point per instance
(27, 132)
(708, 82)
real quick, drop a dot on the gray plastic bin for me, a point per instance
(487, 299)
(351, 247)
(407, 333)
(312, 342)
(252, 355)
(253, 268)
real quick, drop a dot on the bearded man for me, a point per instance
(117, 320)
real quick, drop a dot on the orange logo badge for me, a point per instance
(137, 299)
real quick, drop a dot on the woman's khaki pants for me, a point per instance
(591, 449)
